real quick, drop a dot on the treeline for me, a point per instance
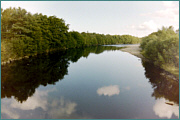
(162, 47)
(25, 34)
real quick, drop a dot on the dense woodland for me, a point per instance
(162, 47)
(25, 34)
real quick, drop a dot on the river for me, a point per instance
(93, 82)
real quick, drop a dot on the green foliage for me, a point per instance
(162, 47)
(28, 34)
(128, 39)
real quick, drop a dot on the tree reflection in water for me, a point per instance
(163, 86)
(21, 78)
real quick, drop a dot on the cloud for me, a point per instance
(168, 4)
(9, 112)
(9, 106)
(37, 100)
(55, 108)
(64, 109)
(148, 25)
(141, 30)
(170, 13)
(108, 90)
(145, 26)
(167, 16)
(164, 110)
(61, 108)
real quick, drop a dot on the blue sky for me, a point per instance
(138, 18)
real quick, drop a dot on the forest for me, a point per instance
(162, 48)
(26, 34)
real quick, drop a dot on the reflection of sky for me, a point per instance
(81, 94)
(61, 108)
(11, 113)
(164, 110)
(108, 90)
(57, 108)
(37, 100)
(127, 87)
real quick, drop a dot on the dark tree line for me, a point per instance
(25, 34)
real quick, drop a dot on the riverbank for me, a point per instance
(14, 58)
(133, 49)
(136, 51)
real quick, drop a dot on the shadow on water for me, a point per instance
(21, 78)
(163, 86)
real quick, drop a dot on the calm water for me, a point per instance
(95, 82)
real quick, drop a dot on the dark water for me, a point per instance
(94, 82)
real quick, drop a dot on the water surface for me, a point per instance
(94, 82)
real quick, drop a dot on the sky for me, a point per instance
(137, 18)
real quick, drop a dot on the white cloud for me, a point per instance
(171, 14)
(37, 100)
(167, 16)
(57, 108)
(132, 26)
(61, 108)
(148, 25)
(164, 110)
(9, 112)
(108, 90)
(168, 4)
(144, 28)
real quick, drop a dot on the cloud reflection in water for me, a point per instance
(62, 108)
(108, 90)
(39, 99)
(55, 108)
(164, 110)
